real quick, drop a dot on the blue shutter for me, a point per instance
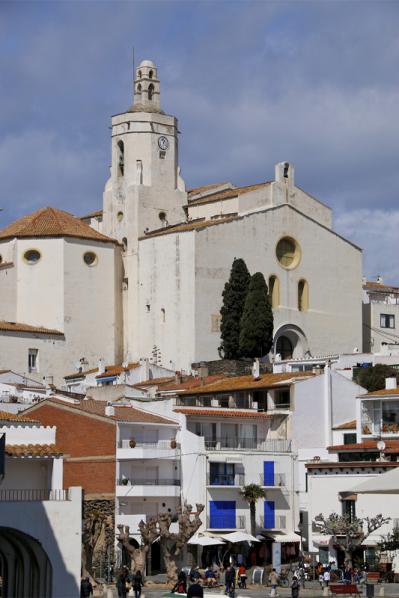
(222, 514)
(269, 515)
(268, 473)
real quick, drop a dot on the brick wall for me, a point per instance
(81, 436)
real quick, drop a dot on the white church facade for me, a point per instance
(145, 275)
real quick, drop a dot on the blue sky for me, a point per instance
(252, 83)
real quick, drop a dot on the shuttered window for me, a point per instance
(222, 514)
(268, 473)
(269, 514)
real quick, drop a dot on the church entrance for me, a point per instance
(284, 347)
(24, 566)
(290, 342)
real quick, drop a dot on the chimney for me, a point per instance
(203, 372)
(101, 366)
(380, 280)
(178, 377)
(255, 370)
(109, 410)
(390, 383)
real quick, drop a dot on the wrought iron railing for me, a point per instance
(148, 482)
(216, 479)
(32, 495)
(159, 444)
(240, 523)
(278, 480)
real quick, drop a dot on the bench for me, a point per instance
(373, 576)
(344, 589)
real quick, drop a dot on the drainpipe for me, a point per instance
(327, 404)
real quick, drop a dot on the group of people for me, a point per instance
(125, 582)
(274, 581)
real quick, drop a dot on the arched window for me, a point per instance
(121, 158)
(150, 91)
(150, 74)
(139, 74)
(163, 314)
(284, 347)
(274, 291)
(303, 295)
(139, 87)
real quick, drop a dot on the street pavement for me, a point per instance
(312, 590)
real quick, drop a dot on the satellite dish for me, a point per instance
(381, 445)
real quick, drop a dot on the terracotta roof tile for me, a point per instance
(125, 413)
(155, 381)
(115, 370)
(5, 416)
(18, 327)
(223, 412)
(95, 214)
(51, 222)
(205, 188)
(351, 425)
(227, 384)
(184, 227)
(381, 393)
(191, 382)
(377, 286)
(366, 445)
(32, 450)
(227, 194)
(351, 464)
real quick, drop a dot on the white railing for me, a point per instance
(277, 482)
(32, 495)
(248, 444)
(159, 444)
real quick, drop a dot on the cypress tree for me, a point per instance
(234, 294)
(256, 335)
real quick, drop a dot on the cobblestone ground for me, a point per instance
(312, 590)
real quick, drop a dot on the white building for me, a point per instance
(40, 523)
(380, 317)
(157, 257)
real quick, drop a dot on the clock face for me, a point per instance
(163, 143)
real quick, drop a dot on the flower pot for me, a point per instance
(125, 482)
(173, 443)
(132, 443)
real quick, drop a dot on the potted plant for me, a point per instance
(366, 430)
(125, 481)
(173, 443)
(132, 442)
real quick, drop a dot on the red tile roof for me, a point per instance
(248, 413)
(227, 194)
(93, 407)
(184, 227)
(18, 327)
(377, 286)
(205, 188)
(350, 464)
(33, 450)
(385, 392)
(5, 416)
(391, 446)
(232, 383)
(115, 370)
(191, 382)
(351, 425)
(51, 222)
(155, 382)
(95, 214)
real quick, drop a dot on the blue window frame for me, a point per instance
(269, 515)
(222, 514)
(221, 474)
(268, 473)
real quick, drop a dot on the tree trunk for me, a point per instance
(252, 512)
(170, 565)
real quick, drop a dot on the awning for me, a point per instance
(383, 483)
(372, 540)
(284, 538)
(321, 540)
(219, 458)
(235, 537)
(205, 541)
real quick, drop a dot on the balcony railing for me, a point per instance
(240, 523)
(32, 495)
(159, 444)
(280, 522)
(237, 479)
(277, 481)
(147, 482)
(272, 446)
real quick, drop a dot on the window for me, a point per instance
(222, 514)
(268, 473)
(150, 91)
(387, 321)
(222, 474)
(284, 347)
(163, 314)
(90, 258)
(269, 519)
(150, 74)
(288, 252)
(303, 295)
(33, 362)
(119, 216)
(32, 256)
(215, 322)
(349, 509)
(274, 291)
(282, 399)
(350, 438)
(139, 87)
(120, 157)
(1, 259)
(139, 74)
(139, 170)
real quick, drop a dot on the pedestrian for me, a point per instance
(295, 587)
(137, 583)
(242, 577)
(86, 589)
(181, 585)
(326, 577)
(273, 579)
(123, 583)
(230, 579)
(195, 591)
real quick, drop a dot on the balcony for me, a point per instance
(33, 495)
(240, 524)
(147, 487)
(380, 418)
(226, 480)
(248, 444)
(278, 481)
(280, 522)
(147, 450)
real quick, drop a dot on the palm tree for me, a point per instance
(252, 493)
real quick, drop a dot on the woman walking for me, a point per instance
(137, 583)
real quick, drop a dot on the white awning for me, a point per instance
(283, 538)
(383, 483)
(235, 537)
(372, 540)
(321, 539)
(205, 541)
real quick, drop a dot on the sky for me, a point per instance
(252, 83)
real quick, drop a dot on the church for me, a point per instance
(143, 277)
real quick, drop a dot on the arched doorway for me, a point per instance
(24, 566)
(290, 342)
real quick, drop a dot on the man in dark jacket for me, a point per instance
(86, 589)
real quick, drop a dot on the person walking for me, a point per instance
(123, 583)
(326, 577)
(273, 579)
(86, 589)
(137, 583)
(295, 587)
(230, 579)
